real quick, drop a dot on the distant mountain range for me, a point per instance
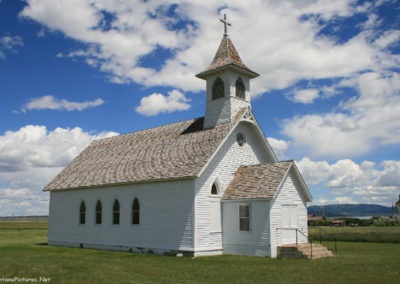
(350, 210)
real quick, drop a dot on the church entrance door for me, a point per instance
(289, 224)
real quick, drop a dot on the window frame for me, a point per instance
(218, 89)
(243, 225)
(82, 213)
(240, 89)
(98, 213)
(116, 213)
(214, 189)
(241, 139)
(135, 213)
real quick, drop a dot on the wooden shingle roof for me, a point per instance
(172, 151)
(227, 57)
(257, 181)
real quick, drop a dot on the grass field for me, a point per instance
(24, 255)
(357, 234)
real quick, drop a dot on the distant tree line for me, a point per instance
(381, 221)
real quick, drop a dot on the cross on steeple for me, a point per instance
(226, 24)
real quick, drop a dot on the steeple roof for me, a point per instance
(227, 57)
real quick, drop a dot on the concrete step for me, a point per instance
(304, 251)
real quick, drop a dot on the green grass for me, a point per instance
(22, 254)
(357, 234)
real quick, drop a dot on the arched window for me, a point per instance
(135, 212)
(98, 212)
(214, 189)
(240, 89)
(241, 139)
(218, 89)
(116, 212)
(82, 213)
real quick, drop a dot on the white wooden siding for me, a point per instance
(166, 217)
(254, 242)
(288, 195)
(224, 109)
(222, 168)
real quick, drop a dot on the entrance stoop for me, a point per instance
(303, 251)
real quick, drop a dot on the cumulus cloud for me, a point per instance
(52, 103)
(279, 146)
(35, 146)
(306, 96)
(29, 158)
(9, 44)
(22, 201)
(119, 38)
(359, 124)
(345, 181)
(158, 103)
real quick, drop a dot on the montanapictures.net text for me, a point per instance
(25, 280)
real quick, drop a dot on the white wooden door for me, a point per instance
(289, 222)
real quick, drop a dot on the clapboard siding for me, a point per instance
(287, 195)
(224, 109)
(254, 242)
(166, 216)
(222, 169)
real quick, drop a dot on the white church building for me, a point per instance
(206, 186)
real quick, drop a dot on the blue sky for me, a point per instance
(327, 96)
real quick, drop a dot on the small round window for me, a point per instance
(241, 140)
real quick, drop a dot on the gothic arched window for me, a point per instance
(136, 212)
(98, 212)
(240, 89)
(82, 213)
(214, 189)
(116, 212)
(218, 89)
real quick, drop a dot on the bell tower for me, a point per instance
(228, 83)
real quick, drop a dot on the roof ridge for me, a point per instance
(228, 50)
(148, 129)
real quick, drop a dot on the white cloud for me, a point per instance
(390, 174)
(388, 38)
(348, 182)
(360, 123)
(344, 200)
(120, 36)
(9, 44)
(279, 146)
(306, 96)
(29, 158)
(372, 22)
(22, 201)
(52, 103)
(35, 146)
(158, 103)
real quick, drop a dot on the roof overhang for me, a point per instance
(121, 184)
(232, 67)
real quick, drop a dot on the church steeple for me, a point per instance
(228, 83)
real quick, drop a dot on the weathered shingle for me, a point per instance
(257, 181)
(227, 57)
(172, 151)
